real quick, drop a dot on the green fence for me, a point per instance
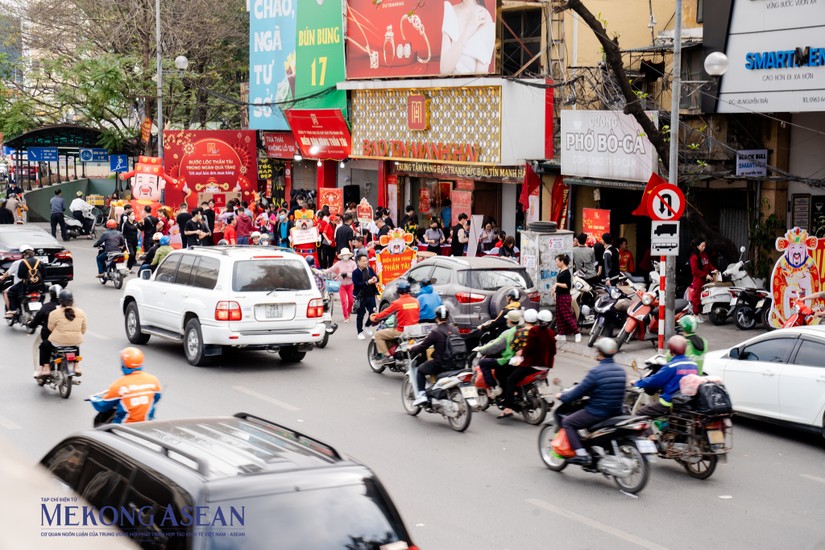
(38, 199)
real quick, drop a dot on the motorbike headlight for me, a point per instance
(648, 298)
(615, 293)
(579, 286)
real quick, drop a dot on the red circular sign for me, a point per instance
(666, 203)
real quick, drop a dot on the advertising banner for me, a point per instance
(319, 56)
(363, 212)
(797, 273)
(752, 162)
(209, 161)
(424, 201)
(606, 144)
(279, 145)
(333, 198)
(414, 38)
(595, 222)
(304, 236)
(560, 202)
(321, 134)
(396, 257)
(271, 62)
(462, 203)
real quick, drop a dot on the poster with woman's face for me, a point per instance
(397, 38)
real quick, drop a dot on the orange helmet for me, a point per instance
(111, 224)
(131, 359)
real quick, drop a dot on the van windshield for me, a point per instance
(494, 279)
(267, 275)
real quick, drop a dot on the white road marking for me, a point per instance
(266, 398)
(584, 520)
(8, 424)
(813, 478)
(97, 335)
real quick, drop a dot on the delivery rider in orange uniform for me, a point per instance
(406, 311)
(132, 396)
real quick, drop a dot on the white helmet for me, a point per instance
(545, 316)
(607, 347)
(255, 235)
(24, 247)
(531, 316)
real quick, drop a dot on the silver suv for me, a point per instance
(473, 289)
(211, 298)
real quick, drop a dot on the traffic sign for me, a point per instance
(94, 155)
(666, 203)
(118, 163)
(664, 238)
(43, 154)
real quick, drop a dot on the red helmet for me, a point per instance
(111, 224)
(677, 345)
(131, 358)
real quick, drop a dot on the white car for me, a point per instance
(778, 376)
(211, 298)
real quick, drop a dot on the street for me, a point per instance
(482, 489)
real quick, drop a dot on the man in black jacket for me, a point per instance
(41, 319)
(460, 235)
(149, 225)
(344, 234)
(440, 362)
(111, 241)
(611, 257)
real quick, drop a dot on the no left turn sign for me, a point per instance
(666, 203)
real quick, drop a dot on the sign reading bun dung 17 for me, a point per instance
(319, 57)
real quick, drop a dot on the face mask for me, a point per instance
(282, 217)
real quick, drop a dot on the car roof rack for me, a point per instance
(303, 440)
(202, 465)
(226, 249)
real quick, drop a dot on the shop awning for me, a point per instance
(612, 184)
(321, 134)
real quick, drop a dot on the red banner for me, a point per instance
(279, 145)
(321, 133)
(462, 203)
(424, 201)
(363, 212)
(560, 202)
(595, 222)
(465, 185)
(210, 161)
(392, 39)
(332, 197)
(146, 130)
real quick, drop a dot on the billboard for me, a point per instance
(414, 38)
(271, 62)
(210, 161)
(319, 63)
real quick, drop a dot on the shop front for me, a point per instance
(450, 146)
(275, 168)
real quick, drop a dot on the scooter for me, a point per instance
(398, 359)
(29, 306)
(327, 320)
(529, 400)
(63, 364)
(611, 312)
(752, 306)
(642, 321)
(446, 396)
(583, 297)
(74, 227)
(116, 270)
(721, 296)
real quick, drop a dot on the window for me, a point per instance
(810, 354)
(206, 273)
(521, 32)
(66, 461)
(269, 275)
(104, 480)
(774, 350)
(692, 61)
(166, 270)
(187, 263)
(420, 273)
(442, 275)
(151, 500)
(494, 279)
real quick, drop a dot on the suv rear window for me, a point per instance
(494, 279)
(267, 275)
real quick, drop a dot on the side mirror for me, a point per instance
(733, 353)
(146, 274)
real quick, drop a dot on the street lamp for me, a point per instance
(181, 63)
(716, 64)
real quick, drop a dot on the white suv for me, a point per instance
(210, 298)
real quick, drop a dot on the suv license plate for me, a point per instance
(646, 446)
(275, 311)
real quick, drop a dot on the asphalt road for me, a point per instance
(482, 489)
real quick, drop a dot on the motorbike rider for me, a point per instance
(441, 361)
(539, 350)
(407, 311)
(428, 301)
(320, 279)
(605, 384)
(82, 212)
(668, 377)
(697, 346)
(494, 327)
(134, 395)
(500, 346)
(32, 278)
(163, 250)
(13, 272)
(41, 319)
(111, 241)
(150, 254)
(67, 324)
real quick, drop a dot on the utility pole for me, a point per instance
(159, 79)
(673, 169)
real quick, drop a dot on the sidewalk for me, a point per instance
(718, 337)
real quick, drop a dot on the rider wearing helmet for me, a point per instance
(545, 317)
(13, 272)
(163, 250)
(150, 254)
(32, 276)
(111, 241)
(697, 346)
(494, 327)
(443, 355)
(134, 395)
(82, 212)
(668, 378)
(67, 324)
(41, 319)
(406, 311)
(255, 238)
(605, 384)
(320, 279)
(428, 301)
(501, 346)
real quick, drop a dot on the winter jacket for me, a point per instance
(65, 332)
(605, 384)
(406, 311)
(112, 241)
(428, 301)
(41, 319)
(359, 279)
(540, 349)
(161, 253)
(344, 268)
(437, 339)
(668, 377)
(500, 345)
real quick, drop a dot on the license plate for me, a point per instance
(43, 259)
(716, 437)
(469, 391)
(733, 302)
(707, 308)
(35, 306)
(646, 446)
(274, 311)
(760, 303)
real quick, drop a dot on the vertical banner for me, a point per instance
(392, 197)
(559, 202)
(333, 197)
(476, 224)
(462, 203)
(424, 201)
(271, 62)
(595, 222)
(319, 55)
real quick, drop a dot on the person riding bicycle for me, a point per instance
(111, 241)
(407, 313)
(428, 302)
(32, 275)
(133, 396)
(667, 378)
(441, 360)
(696, 346)
(41, 319)
(489, 330)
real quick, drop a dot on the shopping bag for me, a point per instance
(561, 445)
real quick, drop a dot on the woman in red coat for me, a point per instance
(700, 268)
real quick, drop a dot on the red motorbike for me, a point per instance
(802, 315)
(529, 401)
(642, 321)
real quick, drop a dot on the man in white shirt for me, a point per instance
(82, 212)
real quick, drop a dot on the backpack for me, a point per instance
(34, 272)
(455, 349)
(712, 398)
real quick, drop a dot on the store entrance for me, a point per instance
(487, 200)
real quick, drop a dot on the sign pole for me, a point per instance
(662, 293)
(673, 169)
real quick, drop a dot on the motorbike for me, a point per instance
(611, 312)
(63, 363)
(116, 270)
(618, 447)
(398, 359)
(446, 396)
(327, 320)
(802, 315)
(752, 306)
(642, 320)
(529, 401)
(695, 440)
(74, 227)
(720, 297)
(104, 417)
(29, 306)
(583, 297)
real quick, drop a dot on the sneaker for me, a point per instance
(100, 275)
(421, 399)
(346, 320)
(578, 337)
(700, 318)
(361, 336)
(580, 460)
(561, 338)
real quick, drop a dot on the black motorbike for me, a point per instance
(63, 364)
(753, 306)
(116, 270)
(31, 303)
(611, 311)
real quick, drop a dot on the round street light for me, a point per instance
(181, 63)
(716, 64)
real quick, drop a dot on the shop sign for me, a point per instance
(465, 185)
(319, 57)
(396, 257)
(506, 174)
(606, 144)
(363, 212)
(418, 112)
(439, 152)
(271, 62)
(320, 133)
(279, 145)
(752, 162)
(462, 203)
(264, 169)
(394, 39)
(332, 197)
(595, 222)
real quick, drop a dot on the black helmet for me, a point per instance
(441, 313)
(513, 294)
(403, 286)
(65, 297)
(54, 291)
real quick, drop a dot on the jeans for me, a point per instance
(243, 240)
(487, 365)
(101, 262)
(144, 267)
(576, 421)
(345, 292)
(366, 306)
(431, 367)
(57, 218)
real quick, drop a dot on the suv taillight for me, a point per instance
(63, 255)
(315, 308)
(228, 311)
(469, 297)
(534, 296)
